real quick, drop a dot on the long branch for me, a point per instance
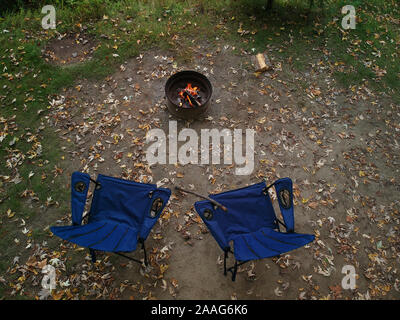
(204, 197)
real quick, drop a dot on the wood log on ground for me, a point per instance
(261, 62)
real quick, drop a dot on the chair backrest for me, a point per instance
(249, 209)
(130, 203)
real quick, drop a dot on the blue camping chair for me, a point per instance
(122, 214)
(251, 224)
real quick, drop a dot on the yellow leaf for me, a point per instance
(58, 295)
(163, 268)
(372, 256)
(10, 214)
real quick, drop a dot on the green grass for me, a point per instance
(132, 27)
(375, 33)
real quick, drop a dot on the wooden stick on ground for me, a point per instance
(261, 62)
(204, 197)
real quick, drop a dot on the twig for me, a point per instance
(204, 197)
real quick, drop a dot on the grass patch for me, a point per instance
(367, 54)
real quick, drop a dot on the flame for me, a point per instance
(193, 91)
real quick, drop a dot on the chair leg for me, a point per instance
(225, 257)
(234, 271)
(130, 258)
(146, 262)
(93, 254)
(234, 268)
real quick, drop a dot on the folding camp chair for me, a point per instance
(121, 215)
(251, 224)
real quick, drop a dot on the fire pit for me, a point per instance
(188, 94)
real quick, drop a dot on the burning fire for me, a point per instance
(189, 95)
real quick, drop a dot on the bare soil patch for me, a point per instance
(339, 147)
(69, 49)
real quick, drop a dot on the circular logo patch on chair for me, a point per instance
(208, 214)
(80, 186)
(285, 198)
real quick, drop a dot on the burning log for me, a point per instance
(189, 96)
(185, 103)
(191, 99)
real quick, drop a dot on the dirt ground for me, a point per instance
(340, 148)
(69, 49)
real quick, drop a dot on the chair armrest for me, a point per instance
(285, 203)
(211, 222)
(79, 190)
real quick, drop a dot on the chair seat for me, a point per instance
(266, 243)
(102, 235)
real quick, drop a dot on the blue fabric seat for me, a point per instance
(251, 224)
(122, 213)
